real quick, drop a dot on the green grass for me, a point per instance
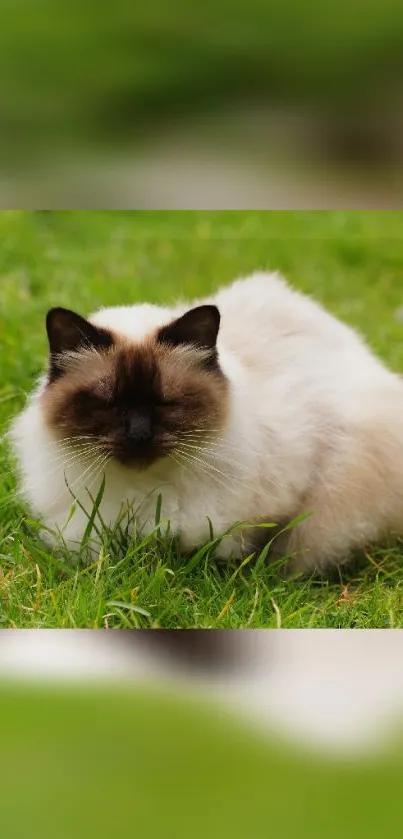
(353, 262)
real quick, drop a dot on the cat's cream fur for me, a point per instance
(315, 424)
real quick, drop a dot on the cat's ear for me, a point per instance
(199, 327)
(69, 332)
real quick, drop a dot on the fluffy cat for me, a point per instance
(255, 405)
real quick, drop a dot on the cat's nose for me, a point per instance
(138, 427)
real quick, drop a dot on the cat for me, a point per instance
(254, 405)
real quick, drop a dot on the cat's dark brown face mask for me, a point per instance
(139, 401)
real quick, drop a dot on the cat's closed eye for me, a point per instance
(91, 401)
(166, 402)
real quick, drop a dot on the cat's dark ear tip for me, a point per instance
(57, 310)
(211, 312)
(198, 326)
(57, 317)
(52, 313)
(50, 316)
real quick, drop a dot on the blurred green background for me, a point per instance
(94, 76)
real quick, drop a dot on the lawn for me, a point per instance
(353, 262)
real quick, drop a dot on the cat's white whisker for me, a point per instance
(67, 459)
(206, 463)
(176, 461)
(61, 470)
(101, 469)
(220, 442)
(95, 463)
(227, 476)
(218, 456)
(236, 464)
(206, 470)
(78, 447)
(71, 444)
(78, 481)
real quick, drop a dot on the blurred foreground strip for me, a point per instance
(338, 690)
(143, 745)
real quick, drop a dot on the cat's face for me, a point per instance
(137, 401)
